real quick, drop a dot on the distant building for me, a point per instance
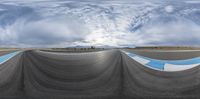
(92, 47)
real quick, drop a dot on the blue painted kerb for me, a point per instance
(6, 57)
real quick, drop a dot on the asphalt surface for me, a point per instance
(4, 52)
(96, 75)
(143, 82)
(169, 65)
(11, 78)
(167, 55)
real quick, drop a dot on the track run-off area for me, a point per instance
(6, 57)
(110, 74)
(165, 65)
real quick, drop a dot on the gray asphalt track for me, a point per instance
(97, 75)
(167, 55)
(4, 52)
(51, 76)
(11, 78)
(143, 82)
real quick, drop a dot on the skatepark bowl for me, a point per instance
(109, 74)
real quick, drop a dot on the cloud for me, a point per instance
(54, 30)
(43, 32)
(179, 33)
(192, 1)
(58, 23)
(169, 8)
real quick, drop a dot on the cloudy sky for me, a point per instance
(63, 23)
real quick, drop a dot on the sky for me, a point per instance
(116, 23)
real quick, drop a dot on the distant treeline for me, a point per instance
(90, 49)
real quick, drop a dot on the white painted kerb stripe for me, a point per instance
(9, 57)
(172, 67)
(141, 60)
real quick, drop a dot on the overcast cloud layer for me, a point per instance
(51, 23)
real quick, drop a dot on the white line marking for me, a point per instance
(141, 60)
(172, 67)
(9, 58)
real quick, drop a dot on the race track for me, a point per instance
(110, 74)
